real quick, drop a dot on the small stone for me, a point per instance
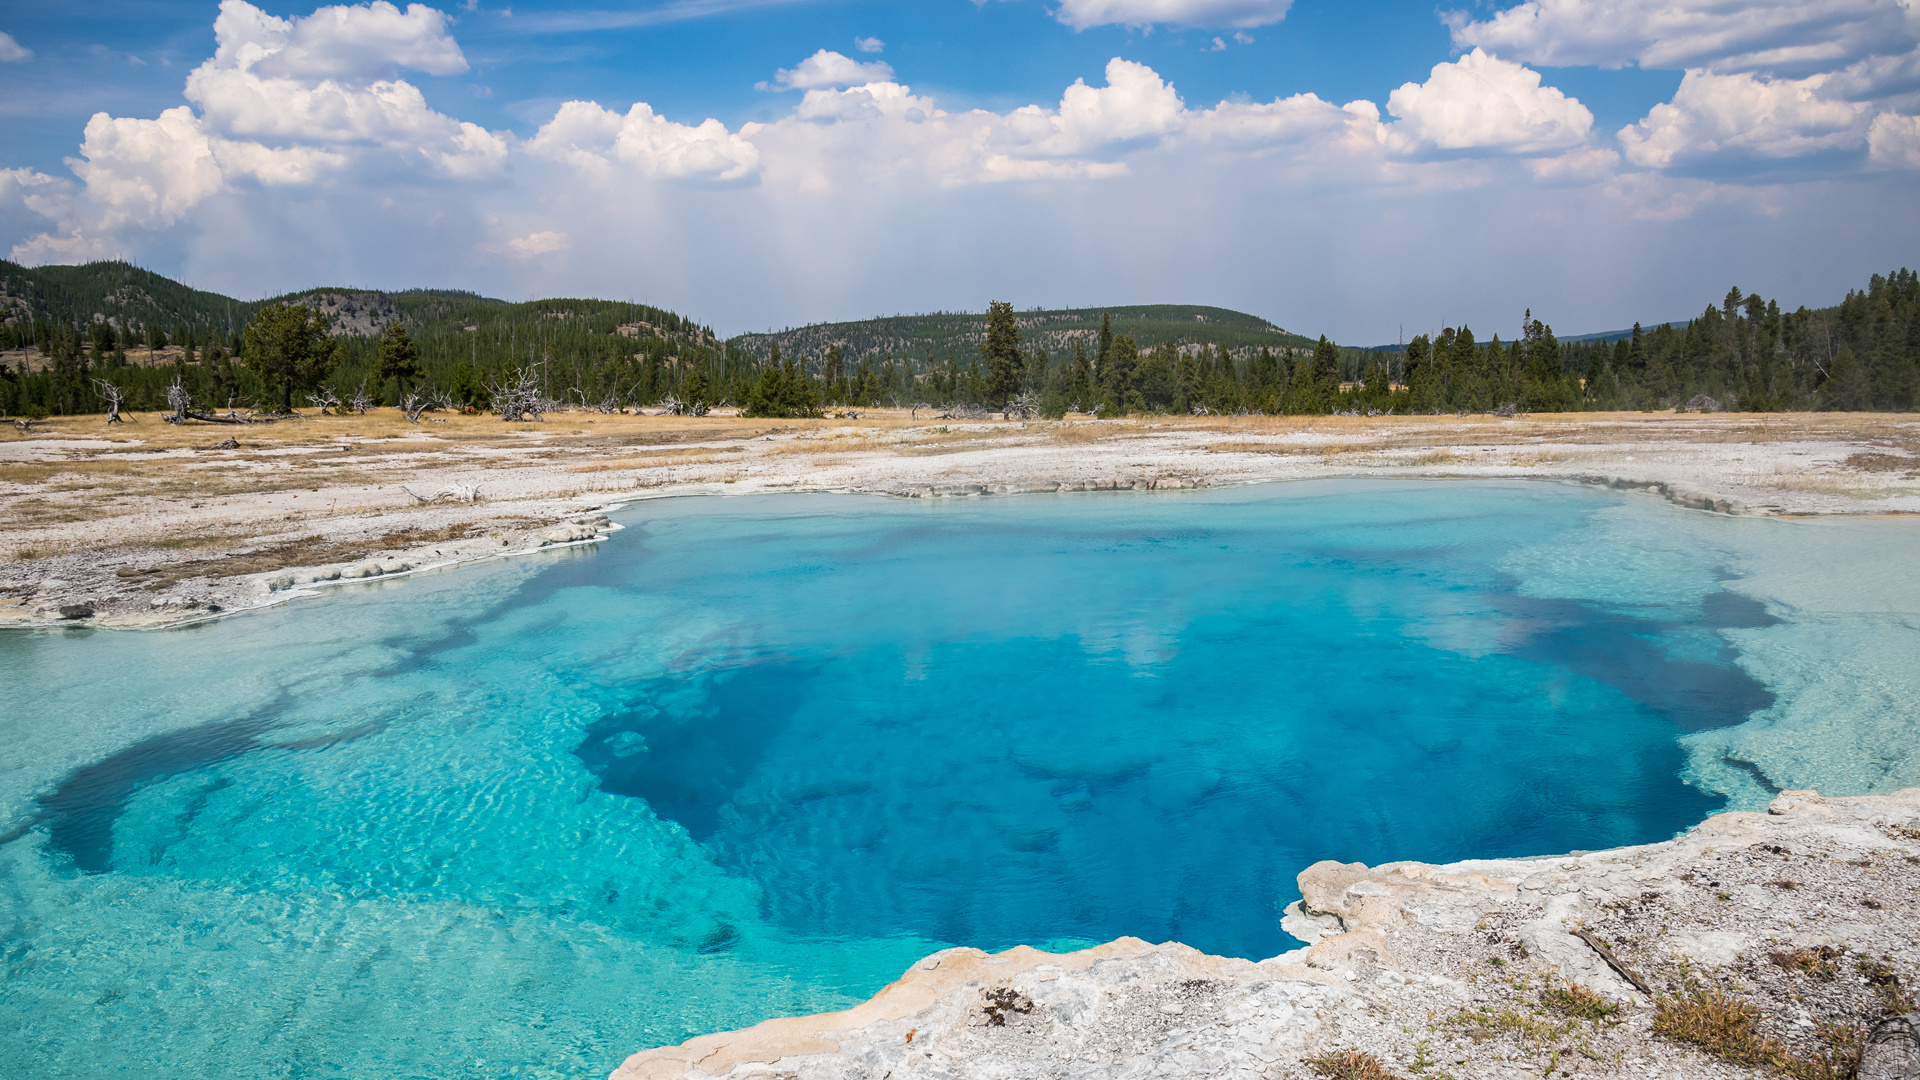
(76, 611)
(280, 582)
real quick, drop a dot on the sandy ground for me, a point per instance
(149, 524)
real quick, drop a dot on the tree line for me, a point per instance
(1743, 353)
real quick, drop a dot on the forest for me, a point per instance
(71, 337)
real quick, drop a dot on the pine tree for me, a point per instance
(1001, 351)
(290, 344)
(399, 358)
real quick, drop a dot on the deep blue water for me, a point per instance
(755, 755)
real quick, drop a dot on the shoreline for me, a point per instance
(147, 527)
(1567, 965)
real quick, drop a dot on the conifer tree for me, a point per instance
(399, 358)
(289, 344)
(1001, 351)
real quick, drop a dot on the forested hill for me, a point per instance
(959, 333)
(69, 335)
(119, 291)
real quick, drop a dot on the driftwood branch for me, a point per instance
(451, 493)
(1613, 961)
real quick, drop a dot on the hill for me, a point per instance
(941, 333)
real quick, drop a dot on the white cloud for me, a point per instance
(360, 42)
(1745, 116)
(11, 51)
(545, 242)
(601, 141)
(869, 44)
(1581, 165)
(147, 172)
(1302, 118)
(1135, 105)
(1225, 14)
(1894, 141)
(1794, 36)
(826, 68)
(317, 80)
(1482, 102)
(282, 102)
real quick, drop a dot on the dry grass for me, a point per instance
(1815, 962)
(301, 551)
(1729, 1029)
(1580, 1003)
(1351, 1065)
(1868, 462)
(1532, 1030)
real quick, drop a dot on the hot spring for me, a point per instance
(754, 756)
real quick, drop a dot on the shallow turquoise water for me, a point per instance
(754, 756)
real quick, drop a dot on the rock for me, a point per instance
(227, 443)
(279, 583)
(395, 567)
(1124, 1008)
(81, 610)
(364, 570)
(564, 534)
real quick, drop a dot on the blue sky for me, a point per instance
(1598, 162)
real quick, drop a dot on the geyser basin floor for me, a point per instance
(754, 756)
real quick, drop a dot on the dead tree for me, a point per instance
(1024, 407)
(328, 401)
(426, 400)
(520, 397)
(114, 400)
(179, 403)
(610, 403)
(360, 402)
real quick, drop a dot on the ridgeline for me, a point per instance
(65, 329)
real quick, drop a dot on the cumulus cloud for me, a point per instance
(826, 68)
(1766, 80)
(360, 42)
(1225, 14)
(603, 142)
(1135, 105)
(1893, 141)
(1745, 116)
(11, 51)
(148, 172)
(869, 44)
(281, 102)
(1482, 102)
(545, 242)
(1791, 36)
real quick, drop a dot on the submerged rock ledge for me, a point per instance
(1534, 967)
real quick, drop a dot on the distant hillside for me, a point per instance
(119, 291)
(958, 333)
